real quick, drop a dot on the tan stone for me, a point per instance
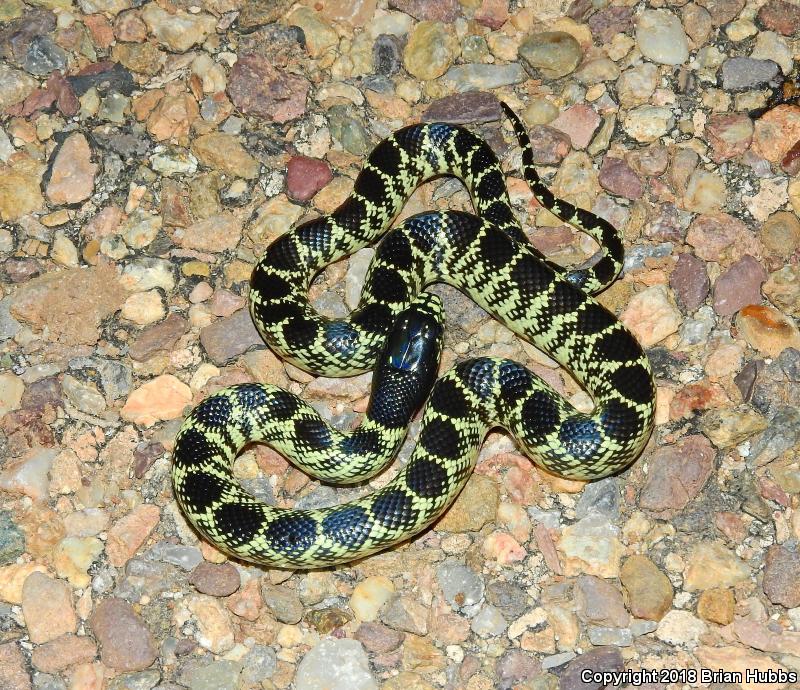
(73, 172)
(224, 152)
(648, 590)
(128, 534)
(165, 397)
(47, 608)
(716, 606)
(475, 506)
(712, 565)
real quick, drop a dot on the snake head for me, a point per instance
(415, 343)
(407, 369)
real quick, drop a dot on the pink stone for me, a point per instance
(579, 122)
(129, 533)
(619, 178)
(306, 176)
(739, 286)
(72, 179)
(492, 13)
(503, 548)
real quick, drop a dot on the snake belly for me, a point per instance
(487, 257)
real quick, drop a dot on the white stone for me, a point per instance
(661, 38)
(335, 665)
(369, 595)
(648, 122)
(11, 390)
(680, 628)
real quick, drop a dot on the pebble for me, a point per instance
(73, 172)
(214, 630)
(335, 665)
(43, 56)
(283, 603)
(432, 47)
(783, 289)
(63, 652)
(215, 579)
(20, 192)
(462, 587)
(319, 37)
(780, 581)
(554, 54)
(482, 77)
(617, 637)
(177, 31)
(163, 398)
(387, 55)
(217, 675)
(12, 539)
(510, 599)
(347, 129)
(489, 622)
(721, 237)
(225, 153)
(260, 664)
(406, 614)
(689, 282)
(771, 46)
(741, 73)
(370, 595)
(599, 603)
(47, 608)
(780, 234)
(729, 134)
(73, 557)
(378, 638)
(767, 330)
(661, 38)
(12, 666)
(597, 660)
(591, 546)
(429, 10)
(780, 16)
(776, 131)
(30, 474)
(680, 628)
(609, 21)
(676, 476)
(128, 534)
(257, 87)
(70, 303)
(651, 315)
(619, 178)
(716, 606)
(475, 506)
(305, 177)
(648, 123)
(227, 338)
(579, 122)
(739, 286)
(648, 591)
(461, 108)
(126, 643)
(17, 86)
(712, 565)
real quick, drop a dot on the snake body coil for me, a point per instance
(486, 256)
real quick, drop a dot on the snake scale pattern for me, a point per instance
(487, 256)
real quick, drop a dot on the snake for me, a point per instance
(395, 331)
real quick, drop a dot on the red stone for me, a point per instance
(780, 16)
(306, 176)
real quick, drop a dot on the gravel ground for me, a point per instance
(149, 152)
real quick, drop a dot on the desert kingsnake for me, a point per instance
(486, 256)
